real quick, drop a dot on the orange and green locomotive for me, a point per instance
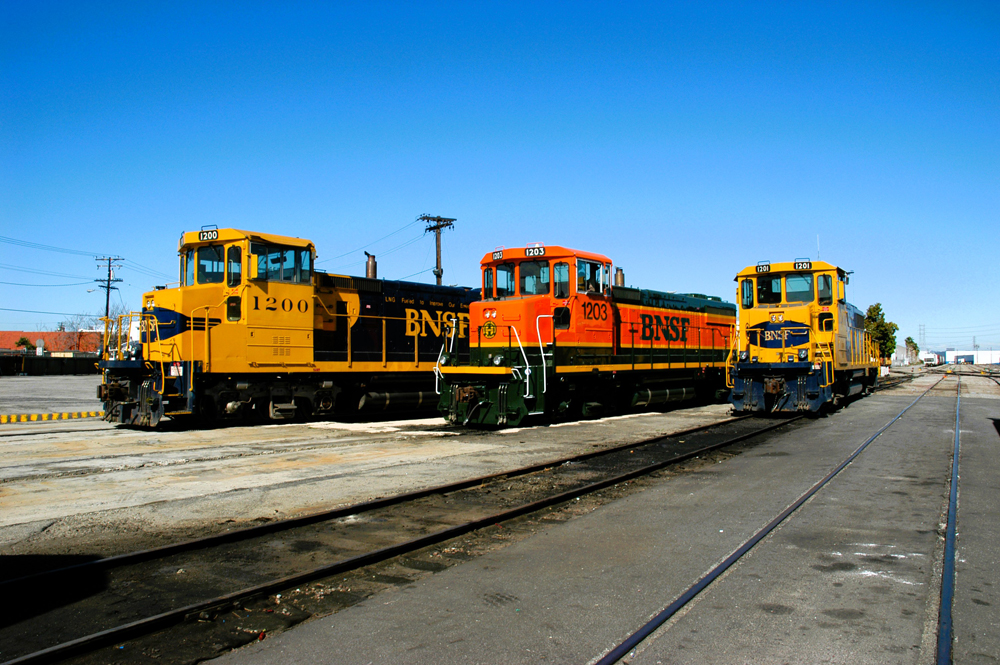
(801, 345)
(556, 335)
(253, 330)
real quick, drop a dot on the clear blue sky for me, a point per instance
(685, 141)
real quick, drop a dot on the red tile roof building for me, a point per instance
(54, 341)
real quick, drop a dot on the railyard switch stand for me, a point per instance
(436, 224)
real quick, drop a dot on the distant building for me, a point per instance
(80, 341)
(980, 357)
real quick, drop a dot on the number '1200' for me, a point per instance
(271, 304)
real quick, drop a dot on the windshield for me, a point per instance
(505, 280)
(799, 287)
(211, 269)
(534, 278)
(769, 290)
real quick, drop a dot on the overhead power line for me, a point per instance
(47, 248)
(20, 284)
(132, 265)
(32, 311)
(354, 251)
(40, 272)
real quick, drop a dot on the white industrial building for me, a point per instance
(980, 357)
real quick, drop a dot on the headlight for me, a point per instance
(803, 354)
(497, 359)
(744, 356)
(754, 359)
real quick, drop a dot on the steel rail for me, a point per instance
(195, 544)
(633, 640)
(147, 625)
(944, 641)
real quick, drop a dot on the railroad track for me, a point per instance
(240, 574)
(944, 643)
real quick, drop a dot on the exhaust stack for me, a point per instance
(371, 268)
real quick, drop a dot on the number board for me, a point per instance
(498, 255)
(764, 268)
(803, 265)
(534, 251)
(208, 235)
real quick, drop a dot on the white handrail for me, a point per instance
(541, 348)
(437, 365)
(527, 367)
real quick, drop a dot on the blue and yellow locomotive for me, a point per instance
(252, 329)
(801, 345)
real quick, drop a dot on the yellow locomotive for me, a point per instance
(253, 330)
(801, 345)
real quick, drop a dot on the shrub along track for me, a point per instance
(219, 592)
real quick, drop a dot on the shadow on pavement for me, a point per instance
(29, 589)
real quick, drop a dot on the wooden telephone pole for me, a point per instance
(436, 224)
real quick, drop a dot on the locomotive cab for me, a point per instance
(530, 293)
(242, 304)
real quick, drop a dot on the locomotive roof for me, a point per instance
(229, 235)
(788, 266)
(531, 252)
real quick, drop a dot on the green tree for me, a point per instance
(912, 350)
(883, 332)
(26, 343)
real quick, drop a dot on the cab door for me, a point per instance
(279, 306)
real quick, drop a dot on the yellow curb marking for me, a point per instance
(34, 417)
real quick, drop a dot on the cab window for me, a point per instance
(487, 283)
(589, 276)
(799, 287)
(562, 280)
(825, 286)
(769, 290)
(234, 266)
(282, 264)
(210, 265)
(505, 280)
(187, 268)
(534, 276)
(746, 293)
(304, 266)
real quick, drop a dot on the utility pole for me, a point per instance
(436, 224)
(108, 281)
(923, 337)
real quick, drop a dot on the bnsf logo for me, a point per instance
(674, 328)
(439, 323)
